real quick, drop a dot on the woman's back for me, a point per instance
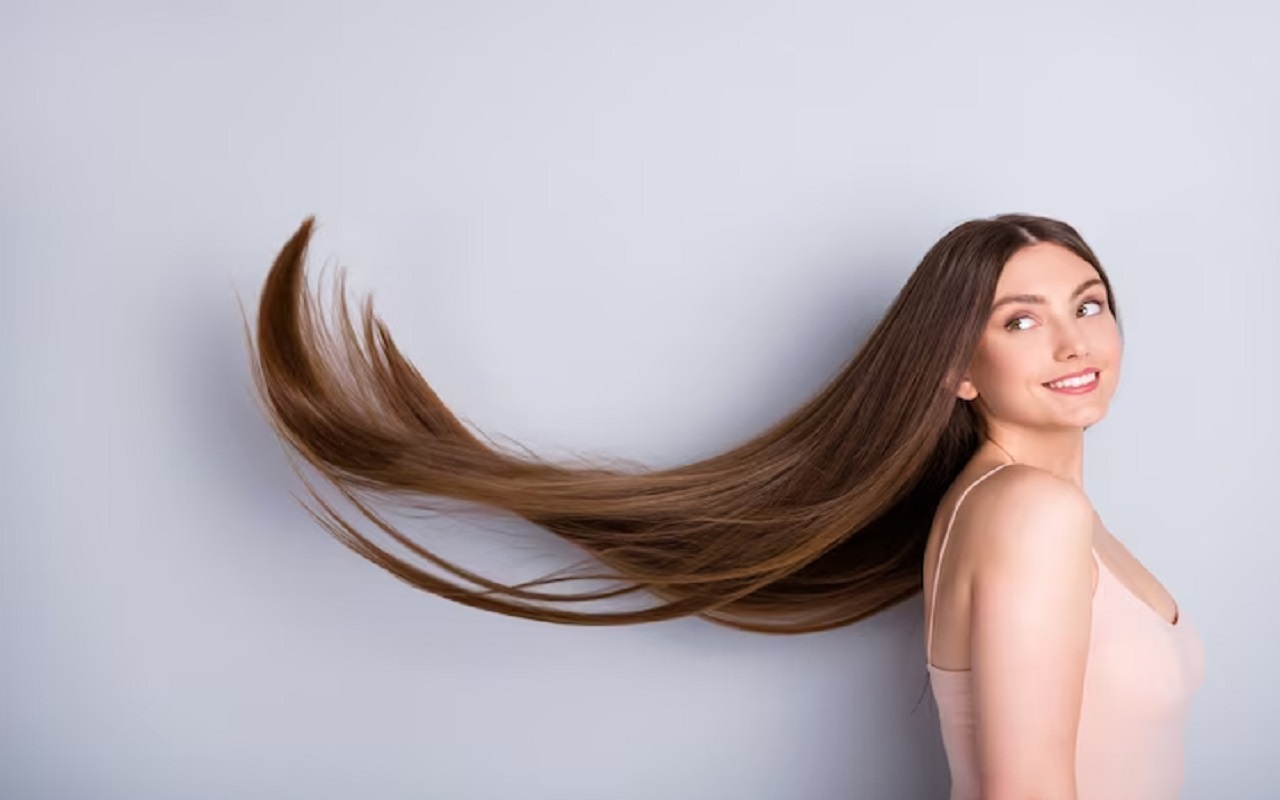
(1140, 673)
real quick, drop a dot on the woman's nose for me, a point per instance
(1072, 343)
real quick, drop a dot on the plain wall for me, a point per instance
(638, 230)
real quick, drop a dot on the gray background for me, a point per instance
(642, 230)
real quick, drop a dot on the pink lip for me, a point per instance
(1089, 387)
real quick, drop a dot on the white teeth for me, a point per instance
(1071, 383)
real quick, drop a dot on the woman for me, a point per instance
(945, 455)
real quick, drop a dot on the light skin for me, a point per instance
(1016, 608)
(1029, 343)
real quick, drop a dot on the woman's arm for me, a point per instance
(1031, 611)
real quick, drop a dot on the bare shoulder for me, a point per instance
(1023, 513)
(1029, 628)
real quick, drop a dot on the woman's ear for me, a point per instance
(964, 389)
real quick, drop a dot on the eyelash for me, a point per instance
(1102, 306)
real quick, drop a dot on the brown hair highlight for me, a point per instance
(817, 522)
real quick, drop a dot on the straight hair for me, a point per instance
(817, 522)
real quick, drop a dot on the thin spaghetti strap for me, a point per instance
(942, 549)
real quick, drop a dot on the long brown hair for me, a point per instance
(817, 522)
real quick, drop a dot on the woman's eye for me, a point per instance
(1088, 303)
(1023, 323)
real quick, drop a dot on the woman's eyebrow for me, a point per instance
(1039, 299)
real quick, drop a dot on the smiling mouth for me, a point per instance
(1079, 382)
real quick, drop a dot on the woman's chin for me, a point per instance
(1084, 417)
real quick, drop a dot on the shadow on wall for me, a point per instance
(876, 734)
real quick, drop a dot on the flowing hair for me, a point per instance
(817, 522)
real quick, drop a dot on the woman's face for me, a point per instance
(1052, 319)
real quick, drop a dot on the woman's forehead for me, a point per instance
(1044, 269)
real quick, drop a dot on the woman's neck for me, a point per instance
(1058, 452)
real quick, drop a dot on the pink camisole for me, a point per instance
(1140, 676)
